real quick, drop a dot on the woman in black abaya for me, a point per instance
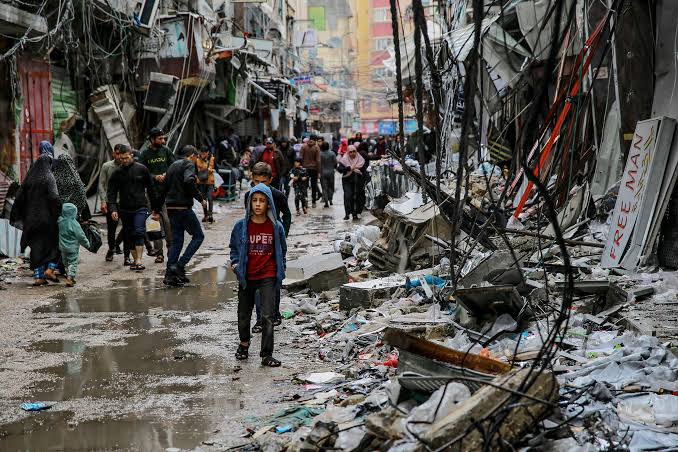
(36, 211)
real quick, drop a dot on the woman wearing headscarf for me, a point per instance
(350, 165)
(70, 186)
(36, 211)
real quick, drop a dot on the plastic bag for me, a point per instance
(93, 235)
(154, 229)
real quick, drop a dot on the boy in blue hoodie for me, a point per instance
(258, 250)
(71, 236)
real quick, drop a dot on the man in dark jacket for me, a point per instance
(310, 160)
(275, 159)
(180, 189)
(157, 158)
(128, 188)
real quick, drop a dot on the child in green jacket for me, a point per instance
(71, 236)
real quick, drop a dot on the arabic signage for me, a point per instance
(638, 192)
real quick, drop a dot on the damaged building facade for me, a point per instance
(89, 74)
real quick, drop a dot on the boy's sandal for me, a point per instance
(159, 259)
(270, 362)
(137, 267)
(242, 352)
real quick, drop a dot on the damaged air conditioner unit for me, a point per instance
(145, 13)
(161, 93)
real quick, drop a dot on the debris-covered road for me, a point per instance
(129, 363)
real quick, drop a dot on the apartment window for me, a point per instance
(366, 105)
(381, 15)
(382, 43)
(383, 105)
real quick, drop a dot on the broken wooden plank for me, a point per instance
(464, 429)
(403, 341)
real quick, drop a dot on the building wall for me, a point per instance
(375, 37)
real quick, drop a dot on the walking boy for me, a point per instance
(71, 236)
(258, 251)
(299, 177)
(261, 174)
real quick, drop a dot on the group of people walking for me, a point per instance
(312, 166)
(157, 186)
(168, 184)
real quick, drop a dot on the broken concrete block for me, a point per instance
(319, 273)
(465, 428)
(372, 293)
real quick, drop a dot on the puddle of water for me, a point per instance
(149, 365)
(206, 289)
(50, 431)
(124, 370)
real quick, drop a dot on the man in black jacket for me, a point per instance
(127, 190)
(180, 189)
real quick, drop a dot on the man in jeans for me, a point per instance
(180, 189)
(127, 190)
(157, 158)
(107, 170)
(310, 160)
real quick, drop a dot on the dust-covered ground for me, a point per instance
(131, 364)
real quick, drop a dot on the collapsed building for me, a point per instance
(520, 291)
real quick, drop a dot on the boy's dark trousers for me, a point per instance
(300, 191)
(246, 297)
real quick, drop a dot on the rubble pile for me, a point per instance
(514, 355)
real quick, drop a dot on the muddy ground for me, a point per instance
(131, 364)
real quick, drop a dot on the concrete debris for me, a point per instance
(414, 359)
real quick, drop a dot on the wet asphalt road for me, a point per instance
(131, 364)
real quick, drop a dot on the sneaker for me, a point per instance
(172, 280)
(127, 262)
(180, 273)
(326, 205)
(109, 255)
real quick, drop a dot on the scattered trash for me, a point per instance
(35, 406)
